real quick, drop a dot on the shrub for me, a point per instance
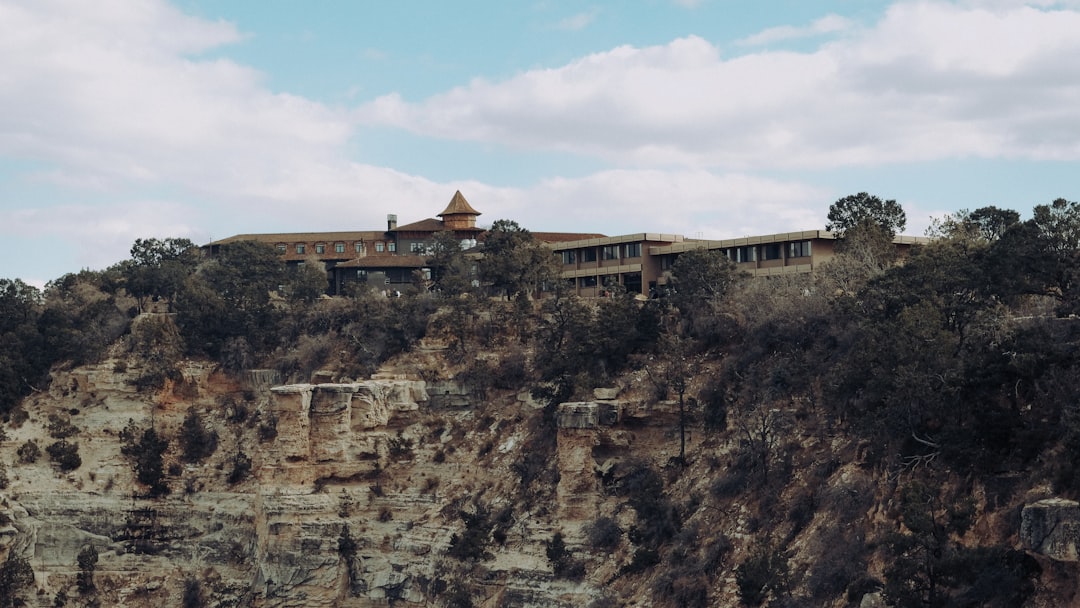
(28, 452)
(603, 533)
(87, 560)
(193, 594)
(16, 574)
(764, 571)
(268, 428)
(60, 427)
(683, 589)
(241, 468)
(146, 449)
(473, 542)
(644, 558)
(401, 447)
(562, 562)
(197, 443)
(65, 455)
(714, 406)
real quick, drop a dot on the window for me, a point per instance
(281, 247)
(746, 254)
(587, 281)
(358, 247)
(301, 248)
(633, 250)
(379, 246)
(772, 251)
(609, 252)
(799, 249)
(361, 275)
(339, 247)
(391, 246)
(588, 255)
(320, 248)
(417, 248)
(569, 257)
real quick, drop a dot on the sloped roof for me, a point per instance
(563, 237)
(385, 261)
(429, 225)
(459, 206)
(304, 237)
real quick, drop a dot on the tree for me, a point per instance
(450, 271)
(862, 208)
(983, 225)
(514, 262)
(82, 316)
(146, 449)
(700, 279)
(229, 296)
(16, 574)
(24, 360)
(1059, 225)
(196, 441)
(87, 559)
(306, 283)
(159, 267)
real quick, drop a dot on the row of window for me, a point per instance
(631, 281)
(606, 252)
(358, 247)
(768, 251)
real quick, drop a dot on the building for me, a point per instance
(641, 263)
(387, 258)
(591, 263)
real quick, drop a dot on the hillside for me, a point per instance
(882, 433)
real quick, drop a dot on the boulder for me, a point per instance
(1051, 527)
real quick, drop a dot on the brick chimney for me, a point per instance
(391, 221)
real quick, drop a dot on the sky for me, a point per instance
(126, 119)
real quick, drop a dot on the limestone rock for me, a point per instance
(1051, 527)
(587, 414)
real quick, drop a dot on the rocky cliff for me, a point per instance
(405, 491)
(377, 462)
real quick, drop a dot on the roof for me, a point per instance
(643, 237)
(304, 237)
(385, 261)
(459, 206)
(429, 225)
(563, 237)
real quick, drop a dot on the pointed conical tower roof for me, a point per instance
(459, 214)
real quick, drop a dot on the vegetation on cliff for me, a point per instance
(860, 430)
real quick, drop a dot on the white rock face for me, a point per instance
(587, 414)
(376, 457)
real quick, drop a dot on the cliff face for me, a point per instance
(397, 490)
(379, 463)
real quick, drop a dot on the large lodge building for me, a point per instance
(639, 262)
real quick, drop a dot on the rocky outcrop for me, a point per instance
(327, 422)
(1051, 527)
(588, 414)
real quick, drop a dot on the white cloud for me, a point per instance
(116, 90)
(102, 235)
(123, 97)
(579, 21)
(825, 25)
(931, 80)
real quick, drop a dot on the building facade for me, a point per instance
(592, 264)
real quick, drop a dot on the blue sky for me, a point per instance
(713, 118)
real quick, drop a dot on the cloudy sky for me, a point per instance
(122, 119)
